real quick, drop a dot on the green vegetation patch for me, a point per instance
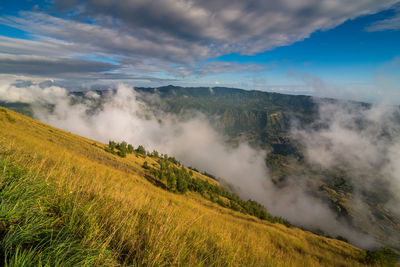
(386, 257)
(8, 116)
(173, 176)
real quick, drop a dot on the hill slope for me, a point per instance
(61, 195)
(262, 117)
(273, 121)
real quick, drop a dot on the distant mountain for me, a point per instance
(262, 116)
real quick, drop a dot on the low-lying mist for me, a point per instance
(364, 141)
(340, 138)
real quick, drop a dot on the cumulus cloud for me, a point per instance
(102, 39)
(232, 26)
(193, 141)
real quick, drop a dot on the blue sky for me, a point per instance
(346, 54)
(327, 47)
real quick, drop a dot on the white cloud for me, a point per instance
(390, 24)
(140, 35)
(363, 141)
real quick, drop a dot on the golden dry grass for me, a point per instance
(144, 225)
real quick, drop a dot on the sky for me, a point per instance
(330, 48)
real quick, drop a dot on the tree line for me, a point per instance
(123, 148)
(179, 179)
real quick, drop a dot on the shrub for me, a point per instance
(140, 150)
(385, 257)
(112, 145)
(145, 165)
(130, 149)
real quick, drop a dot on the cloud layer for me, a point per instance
(363, 141)
(40, 65)
(171, 36)
(244, 27)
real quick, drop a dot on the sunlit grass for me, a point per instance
(65, 201)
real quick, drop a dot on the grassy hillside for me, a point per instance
(66, 201)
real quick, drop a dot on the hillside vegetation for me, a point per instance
(66, 201)
(266, 120)
(262, 117)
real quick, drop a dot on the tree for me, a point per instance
(173, 160)
(111, 145)
(181, 183)
(130, 149)
(384, 257)
(171, 181)
(155, 154)
(140, 149)
(122, 153)
(122, 147)
(145, 165)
